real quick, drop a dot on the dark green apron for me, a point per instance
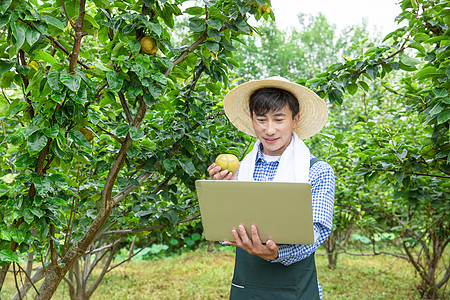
(258, 279)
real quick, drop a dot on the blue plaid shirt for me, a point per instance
(321, 178)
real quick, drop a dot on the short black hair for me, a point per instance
(266, 100)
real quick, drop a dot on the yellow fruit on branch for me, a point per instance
(148, 45)
(228, 162)
(87, 133)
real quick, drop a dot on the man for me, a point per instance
(280, 114)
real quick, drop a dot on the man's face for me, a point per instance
(274, 130)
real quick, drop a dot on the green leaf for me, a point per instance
(53, 21)
(156, 28)
(400, 175)
(159, 77)
(187, 166)
(444, 116)
(56, 201)
(363, 85)
(115, 80)
(427, 72)
(228, 46)
(32, 35)
(170, 165)
(3, 189)
(440, 92)
(408, 61)
(212, 46)
(436, 109)
(5, 66)
(53, 80)
(372, 71)
(79, 138)
(172, 216)
(214, 34)
(57, 180)
(24, 161)
(136, 133)
(242, 25)
(4, 4)
(214, 23)
(149, 144)
(122, 130)
(195, 10)
(352, 88)
(8, 256)
(196, 26)
(52, 132)
(335, 96)
(37, 211)
(36, 142)
(71, 81)
(135, 46)
(18, 32)
(94, 116)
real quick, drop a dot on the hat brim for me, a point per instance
(312, 109)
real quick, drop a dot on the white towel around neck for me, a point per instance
(293, 166)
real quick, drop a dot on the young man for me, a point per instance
(280, 114)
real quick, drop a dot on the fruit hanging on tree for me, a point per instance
(148, 45)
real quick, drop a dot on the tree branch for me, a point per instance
(67, 52)
(130, 231)
(67, 14)
(183, 55)
(109, 133)
(78, 37)
(102, 274)
(126, 110)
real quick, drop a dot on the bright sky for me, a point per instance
(342, 13)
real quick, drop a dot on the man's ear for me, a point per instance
(296, 119)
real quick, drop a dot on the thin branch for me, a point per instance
(183, 55)
(100, 89)
(4, 95)
(129, 258)
(29, 280)
(384, 271)
(103, 247)
(15, 280)
(102, 274)
(78, 37)
(67, 14)
(126, 109)
(67, 52)
(53, 254)
(130, 231)
(125, 192)
(111, 134)
(408, 173)
(365, 254)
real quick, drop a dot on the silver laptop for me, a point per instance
(282, 211)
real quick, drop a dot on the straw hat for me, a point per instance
(313, 110)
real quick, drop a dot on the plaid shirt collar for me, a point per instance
(260, 156)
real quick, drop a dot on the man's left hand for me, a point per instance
(267, 251)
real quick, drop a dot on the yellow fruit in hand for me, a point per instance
(87, 133)
(148, 45)
(228, 162)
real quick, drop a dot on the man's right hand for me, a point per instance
(216, 173)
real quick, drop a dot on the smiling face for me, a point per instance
(274, 129)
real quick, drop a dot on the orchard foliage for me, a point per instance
(397, 134)
(100, 140)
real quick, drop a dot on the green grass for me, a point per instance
(206, 275)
